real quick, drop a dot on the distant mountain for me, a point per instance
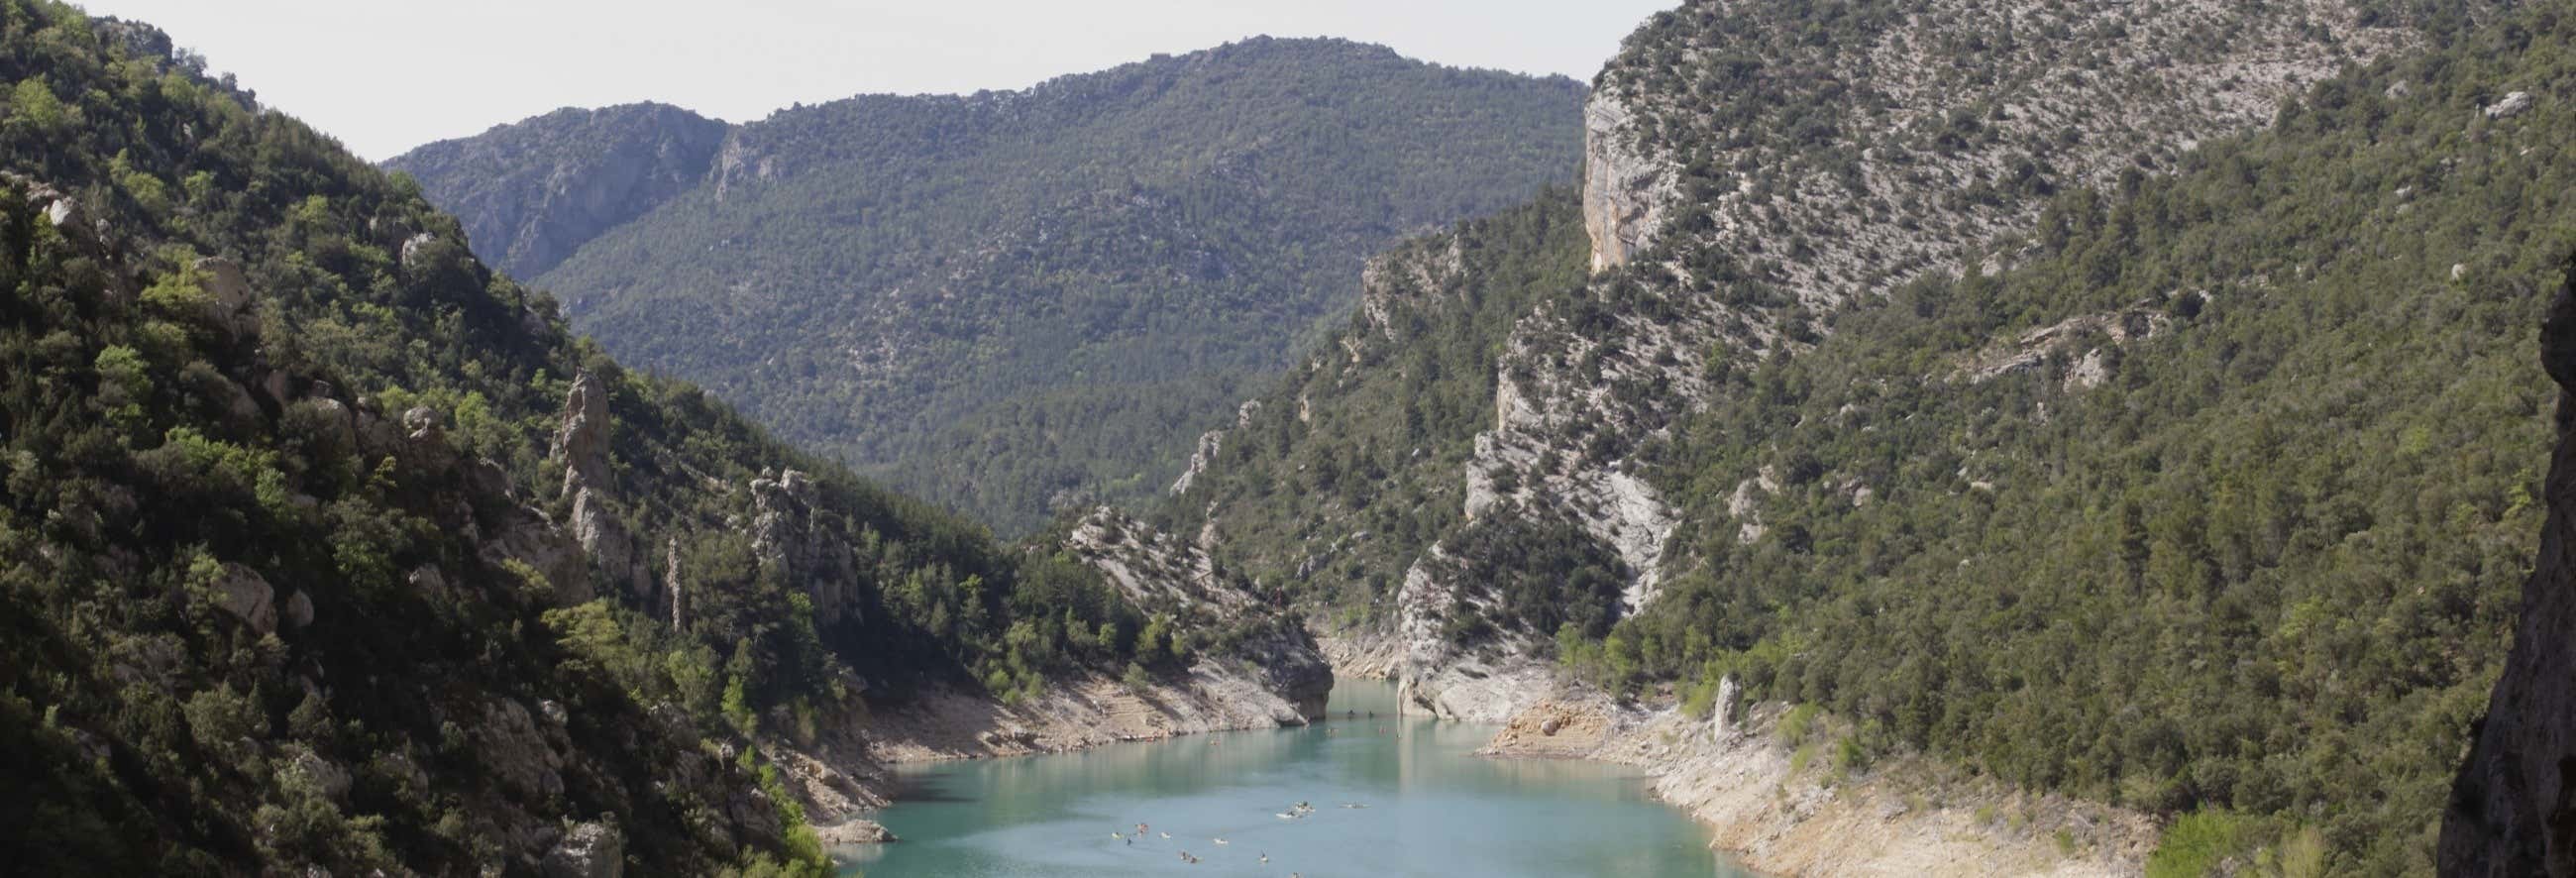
(532, 193)
(1011, 300)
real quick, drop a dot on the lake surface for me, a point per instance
(1433, 808)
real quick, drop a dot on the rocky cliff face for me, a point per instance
(2513, 808)
(1744, 180)
(794, 538)
(533, 192)
(1624, 190)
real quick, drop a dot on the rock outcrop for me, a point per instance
(581, 445)
(1210, 443)
(243, 593)
(796, 537)
(1702, 144)
(581, 441)
(2513, 808)
(590, 850)
(1161, 573)
(1624, 190)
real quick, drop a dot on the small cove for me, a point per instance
(1431, 808)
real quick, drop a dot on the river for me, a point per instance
(1431, 808)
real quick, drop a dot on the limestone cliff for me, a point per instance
(1744, 179)
(1624, 192)
(2513, 808)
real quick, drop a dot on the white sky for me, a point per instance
(387, 75)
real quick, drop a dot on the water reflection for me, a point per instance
(1424, 806)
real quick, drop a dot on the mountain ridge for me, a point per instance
(1017, 302)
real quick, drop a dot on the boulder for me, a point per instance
(73, 222)
(299, 610)
(427, 578)
(856, 831)
(242, 592)
(2513, 104)
(421, 424)
(228, 295)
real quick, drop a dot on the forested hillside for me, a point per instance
(1335, 481)
(2219, 500)
(325, 546)
(532, 193)
(2194, 474)
(1013, 302)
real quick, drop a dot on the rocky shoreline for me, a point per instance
(844, 779)
(1783, 814)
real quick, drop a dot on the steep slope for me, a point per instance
(1331, 485)
(1910, 386)
(532, 193)
(2509, 808)
(2209, 503)
(1857, 145)
(326, 548)
(1009, 301)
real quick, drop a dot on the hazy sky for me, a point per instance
(388, 75)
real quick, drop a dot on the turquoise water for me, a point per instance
(1433, 809)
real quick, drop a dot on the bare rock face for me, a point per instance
(508, 741)
(414, 248)
(606, 541)
(679, 594)
(582, 442)
(1210, 443)
(1723, 724)
(590, 850)
(1624, 192)
(528, 538)
(789, 534)
(2513, 807)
